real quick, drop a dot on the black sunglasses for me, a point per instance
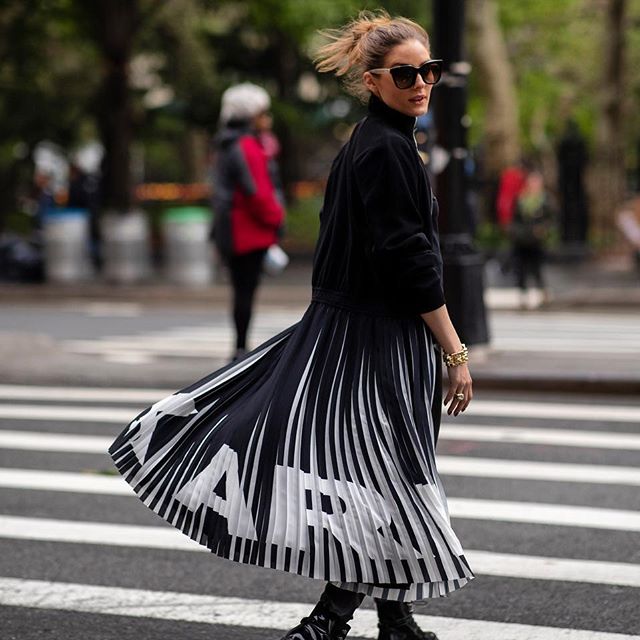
(405, 75)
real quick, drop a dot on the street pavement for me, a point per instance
(543, 493)
(105, 343)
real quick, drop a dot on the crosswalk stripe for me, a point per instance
(609, 413)
(539, 513)
(471, 508)
(42, 441)
(554, 437)
(75, 414)
(596, 320)
(492, 408)
(53, 442)
(447, 465)
(149, 537)
(574, 346)
(241, 612)
(67, 481)
(219, 346)
(81, 394)
(530, 470)
(160, 346)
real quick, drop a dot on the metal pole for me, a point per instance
(463, 265)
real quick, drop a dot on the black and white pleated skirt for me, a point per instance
(315, 454)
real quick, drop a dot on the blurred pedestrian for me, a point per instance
(271, 145)
(43, 196)
(314, 454)
(512, 180)
(247, 211)
(573, 159)
(530, 231)
(83, 193)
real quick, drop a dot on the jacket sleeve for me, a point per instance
(404, 257)
(262, 201)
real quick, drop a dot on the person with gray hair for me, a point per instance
(247, 210)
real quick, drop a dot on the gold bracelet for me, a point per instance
(456, 359)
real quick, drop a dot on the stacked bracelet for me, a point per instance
(456, 359)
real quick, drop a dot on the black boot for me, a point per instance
(328, 620)
(396, 622)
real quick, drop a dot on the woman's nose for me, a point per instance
(419, 81)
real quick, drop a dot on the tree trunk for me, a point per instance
(194, 150)
(287, 79)
(491, 61)
(115, 26)
(608, 184)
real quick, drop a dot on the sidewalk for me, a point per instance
(611, 284)
(27, 358)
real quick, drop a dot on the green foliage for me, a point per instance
(556, 52)
(50, 69)
(303, 224)
(490, 238)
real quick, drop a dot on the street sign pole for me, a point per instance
(463, 265)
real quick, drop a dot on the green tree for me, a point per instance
(46, 84)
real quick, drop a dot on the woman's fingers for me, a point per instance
(460, 390)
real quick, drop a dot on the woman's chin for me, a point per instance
(416, 109)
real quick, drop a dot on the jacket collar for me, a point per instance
(230, 132)
(405, 124)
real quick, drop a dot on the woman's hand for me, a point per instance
(440, 324)
(459, 383)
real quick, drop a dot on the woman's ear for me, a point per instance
(370, 83)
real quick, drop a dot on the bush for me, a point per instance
(302, 225)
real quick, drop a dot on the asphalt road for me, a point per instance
(556, 548)
(121, 343)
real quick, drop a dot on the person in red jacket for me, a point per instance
(512, 181)
(248, 212)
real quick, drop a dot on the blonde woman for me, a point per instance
(315, 453)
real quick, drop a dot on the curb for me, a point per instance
(582, 386)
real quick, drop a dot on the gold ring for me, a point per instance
(460, 396)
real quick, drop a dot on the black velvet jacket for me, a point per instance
(378, 239)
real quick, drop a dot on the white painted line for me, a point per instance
(54, 442)
(447, 465)
(610, 319)
(608, 413)
(112, 309)
(475, 509)
(50, 413)
(81, 394)
(47, 441)
(261, 614)
(548, 514)
(482, 562)
(159, 344)
(64, 481)
(103, 533)
(127, 357)
(553, 437)
(508, 565)
(547, 410)
(573, 346)
(529, 470)
(197, 348)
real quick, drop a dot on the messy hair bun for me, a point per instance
(363, 44)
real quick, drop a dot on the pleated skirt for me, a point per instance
(314, 454)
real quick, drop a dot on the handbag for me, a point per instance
(275, 260)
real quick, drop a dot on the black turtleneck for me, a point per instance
(379, 109)
(378, 227)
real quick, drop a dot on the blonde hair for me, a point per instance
(362, 45)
